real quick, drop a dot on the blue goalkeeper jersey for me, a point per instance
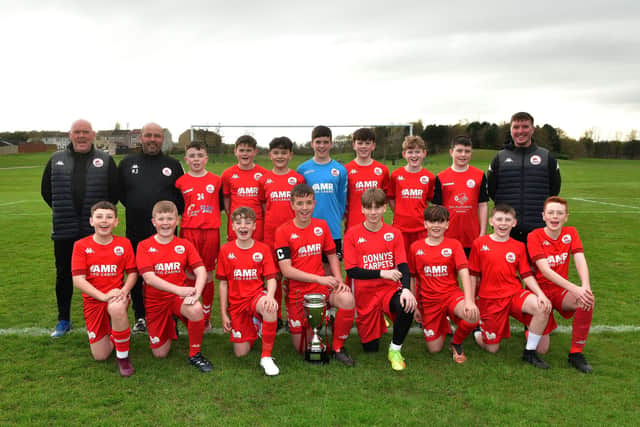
(329, 182)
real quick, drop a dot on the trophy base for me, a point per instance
(316, 358)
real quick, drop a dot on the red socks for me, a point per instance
(196, 331)
(121, 340)
(341, 327)
(207, 300)
(268, 337)
(462, 331)
(581, 325)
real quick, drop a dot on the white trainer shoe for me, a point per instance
(269, 366)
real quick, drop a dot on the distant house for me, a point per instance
(212, 139)
(57, 138)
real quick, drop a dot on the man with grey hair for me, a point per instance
(146, 178)
(73, 180)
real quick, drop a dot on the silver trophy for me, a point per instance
(315, 307)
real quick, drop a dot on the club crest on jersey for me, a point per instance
(257, 257)
(292, 180)
(446, 252)
(179, 249)
(335, 172)
(257, 176)
(118, 250)
(461, 198)
(388, 237)
(167, 171)
(377, 171)
(135, 169)
(424, 179)
(98, 163)
(510, 257)
(317, 231)
(535, 160)
(210, 188)
(566, 239)
(471, 183)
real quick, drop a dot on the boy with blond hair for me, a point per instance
(162, 260)
(410, 191)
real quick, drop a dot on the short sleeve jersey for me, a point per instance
(242, 187)
(436, 267)
(361, 178)
(498, 264)
(411, 192)
(329, 183)
(168, 261)
(460, 193)
(374, 250)
(201, 201)
(557, 252)
(305, 247)
(245, 271)
(103, 265)
(275, 192)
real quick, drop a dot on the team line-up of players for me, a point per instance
(281, 228)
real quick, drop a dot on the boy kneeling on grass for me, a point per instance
(243, 266)
(162, 260)
(495, 262)
(98, 264)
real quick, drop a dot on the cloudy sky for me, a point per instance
(572, 64)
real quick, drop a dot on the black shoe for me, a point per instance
(578, 361)
(530, 356)
(200, 362)
(343, 357)
(280, 325)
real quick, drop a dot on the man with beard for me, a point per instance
(145, 179)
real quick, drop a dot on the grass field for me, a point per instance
(46, 381)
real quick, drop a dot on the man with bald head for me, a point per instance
(73, 180)
(146, 178)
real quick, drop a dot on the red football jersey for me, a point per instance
(498, 264)
(411, 191)
(461, 193)
(245, 271)
(306, 246)
(556, 251)
(103, 265)
(436, 267)
(242, 186)
(379, 250)
(275, 192)
(359, 179)
(201, 201)
(167, 261)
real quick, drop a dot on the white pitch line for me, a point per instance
(580, 199)
(595, 329)
(17, 202)
(19, 167)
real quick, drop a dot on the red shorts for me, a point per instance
(96, 318)
(242, 326)
(295, 311)
(410, 237)
(494, 315)
(207, 243)
(160, 324)
(372, 303)
(434, 314)
(556, 295)
(257, 235)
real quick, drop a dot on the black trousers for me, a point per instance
(62, 250)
